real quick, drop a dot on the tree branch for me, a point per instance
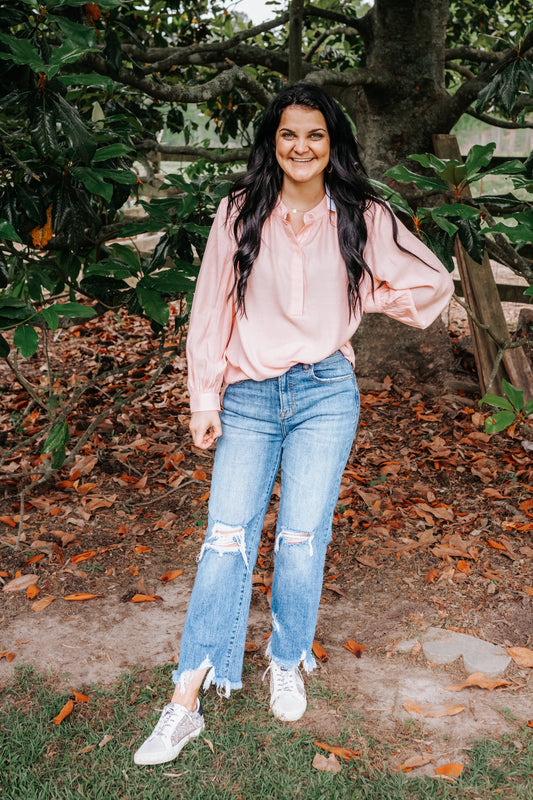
(295, 40)
(177, 93)
(336, 16)
(354, 77)
(460, 69)
(162, 58)
(213, 154)
(322, 38)
(499, 123)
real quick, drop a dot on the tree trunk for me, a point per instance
(405, 49)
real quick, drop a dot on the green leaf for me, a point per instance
(73, 310)
(26, 340)
(471, 238)
(480, 155)
(170, 281)
(512, 167)
(458, 210)
(78, 136)
(51, 317)
(93, 182)
(4, 348)
(404, 175)
(44, 132)
(516, 396)
(443, 223)
(80, 35)
(23, 52)
(499, 421)
(153, 304)
(56, 442)
(8, 232)
(112, 51)
(111, 151)
(394, 198)
(429, 161)
(528, 408)
(454, 173)
(121, 252)
(529, 291)
(87, 80)
(496, 401)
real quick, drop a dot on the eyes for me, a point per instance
(314, 136)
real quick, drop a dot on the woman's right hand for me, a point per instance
(205, 428)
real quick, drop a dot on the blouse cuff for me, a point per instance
(207, 401)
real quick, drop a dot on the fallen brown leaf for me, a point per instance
(65, 711)
(319, 652)
(343, 752)
(450, 770)
(171, 575)
(83, 556)
(251, 647)
(41, 604)
(7, 655)
(106, 739)
(414, 762)
(79, 697)
(82, 596)
(480, 680)
(324, 764)
(141, 548)
(32, 591)
(522, 656)
(433, 711)
(20, 583)
(353, 647)
(144, 598)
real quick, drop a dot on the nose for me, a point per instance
(300, 145)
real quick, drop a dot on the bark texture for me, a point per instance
(405, 101)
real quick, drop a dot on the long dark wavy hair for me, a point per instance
(254, 196)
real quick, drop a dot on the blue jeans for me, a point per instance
(304, 420)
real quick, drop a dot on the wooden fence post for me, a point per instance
(481, 295)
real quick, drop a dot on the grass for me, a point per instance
(252, 755)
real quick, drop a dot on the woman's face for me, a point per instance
(302, 144)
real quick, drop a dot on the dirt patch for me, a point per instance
(433, 528)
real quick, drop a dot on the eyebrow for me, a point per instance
(313, 130)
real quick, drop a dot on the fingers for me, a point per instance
(205, 427)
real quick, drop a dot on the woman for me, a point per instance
(298, 251)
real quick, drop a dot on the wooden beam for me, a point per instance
(481, 295)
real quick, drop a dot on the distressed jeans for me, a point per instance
(305, 421)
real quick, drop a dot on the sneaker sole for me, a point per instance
(287, 716)
(152, 760)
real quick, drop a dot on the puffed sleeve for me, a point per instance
(405, 288)
(211, 317)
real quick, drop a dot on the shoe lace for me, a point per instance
(169, 719)
(285, 680)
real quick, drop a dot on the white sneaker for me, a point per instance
(175, 728)
(287, 693)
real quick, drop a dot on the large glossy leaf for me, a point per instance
(22, 52)
(26, 340)
(44, 132)
(111, 151)
(8, 232)
(82, 36)
(93, 182)
(4, 348)
(480, 155)
(112, 51)
(78, 136)
(152, 303)
(404, 175)
(471, 238)
(56, 443)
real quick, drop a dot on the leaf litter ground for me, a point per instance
(433, 528)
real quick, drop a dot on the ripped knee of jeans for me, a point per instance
(295, 537)
(225, 539)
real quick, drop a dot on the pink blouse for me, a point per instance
(296, 298)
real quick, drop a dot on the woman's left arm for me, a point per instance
(413, 287)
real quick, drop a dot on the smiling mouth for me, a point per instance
(302, 160)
